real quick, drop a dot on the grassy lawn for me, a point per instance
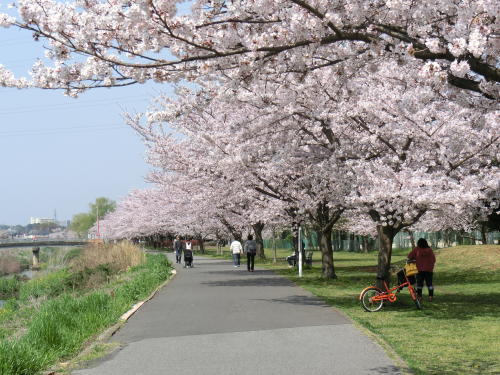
(458, 333)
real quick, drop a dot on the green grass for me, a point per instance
(59, 328)
(9, 287)
(49, 285)
(458, 333)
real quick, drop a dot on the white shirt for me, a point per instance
(236, 247)
(188, 245)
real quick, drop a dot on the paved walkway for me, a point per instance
(215, 319)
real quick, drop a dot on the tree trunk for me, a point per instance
(257, 229)
(484, 234)
(386, 236)
(325, 245)
(365, 244)
(412, 238)
(201, 244)
(324, 221)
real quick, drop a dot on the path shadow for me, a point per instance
(241, 272)
(261, 281)
(206, 262)
(298, 300)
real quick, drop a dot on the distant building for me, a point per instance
(42, 220)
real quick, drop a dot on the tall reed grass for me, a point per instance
(118, 256)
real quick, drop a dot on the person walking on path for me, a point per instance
(425, 259)
(236, 250)
(250, 250)
(178, 249)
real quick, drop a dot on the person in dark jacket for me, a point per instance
(425, 259)
(178, 249)
(250, 249)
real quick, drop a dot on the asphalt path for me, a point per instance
(215, 319)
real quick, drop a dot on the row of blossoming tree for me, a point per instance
(382, 113)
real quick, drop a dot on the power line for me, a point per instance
(71, 106)
(61, 131)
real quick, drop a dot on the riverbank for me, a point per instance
(50, 318)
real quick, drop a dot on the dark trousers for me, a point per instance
(427, 277)
(401, 278)
(178, 256)
(250, 261)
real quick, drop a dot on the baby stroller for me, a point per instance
(188, 258)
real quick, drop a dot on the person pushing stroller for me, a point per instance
(188, 254)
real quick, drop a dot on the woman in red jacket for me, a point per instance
(425, 258)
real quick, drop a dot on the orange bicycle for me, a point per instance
(372, 298)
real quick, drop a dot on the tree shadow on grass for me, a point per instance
(343, 260)
(445, 307)
(390, 370)
(465, 277)
(459, 305)
(464, 307)
(476, 368)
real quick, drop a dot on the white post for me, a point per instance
(98, 228)
(300, 251)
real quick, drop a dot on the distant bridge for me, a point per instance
(41, 242)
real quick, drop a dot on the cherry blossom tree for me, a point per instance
(96, 43)
(386, 108)
(250, 144)
(398, 140)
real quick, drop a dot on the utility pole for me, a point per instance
(98, 229)
(300, 250)
(274, 244)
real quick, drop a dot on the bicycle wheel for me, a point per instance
(415, 298)
(367, 302)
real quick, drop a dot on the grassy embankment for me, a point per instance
(458, 333)
(50, 318)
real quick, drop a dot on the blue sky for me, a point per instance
(59, 153)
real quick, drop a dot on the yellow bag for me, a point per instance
(411, 269)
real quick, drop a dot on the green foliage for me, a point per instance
(50, 285)
(158, 270)
(21, 358)
(63, 324)
(101, 207)
(82, 222)
(9, 287)
(72, 254)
